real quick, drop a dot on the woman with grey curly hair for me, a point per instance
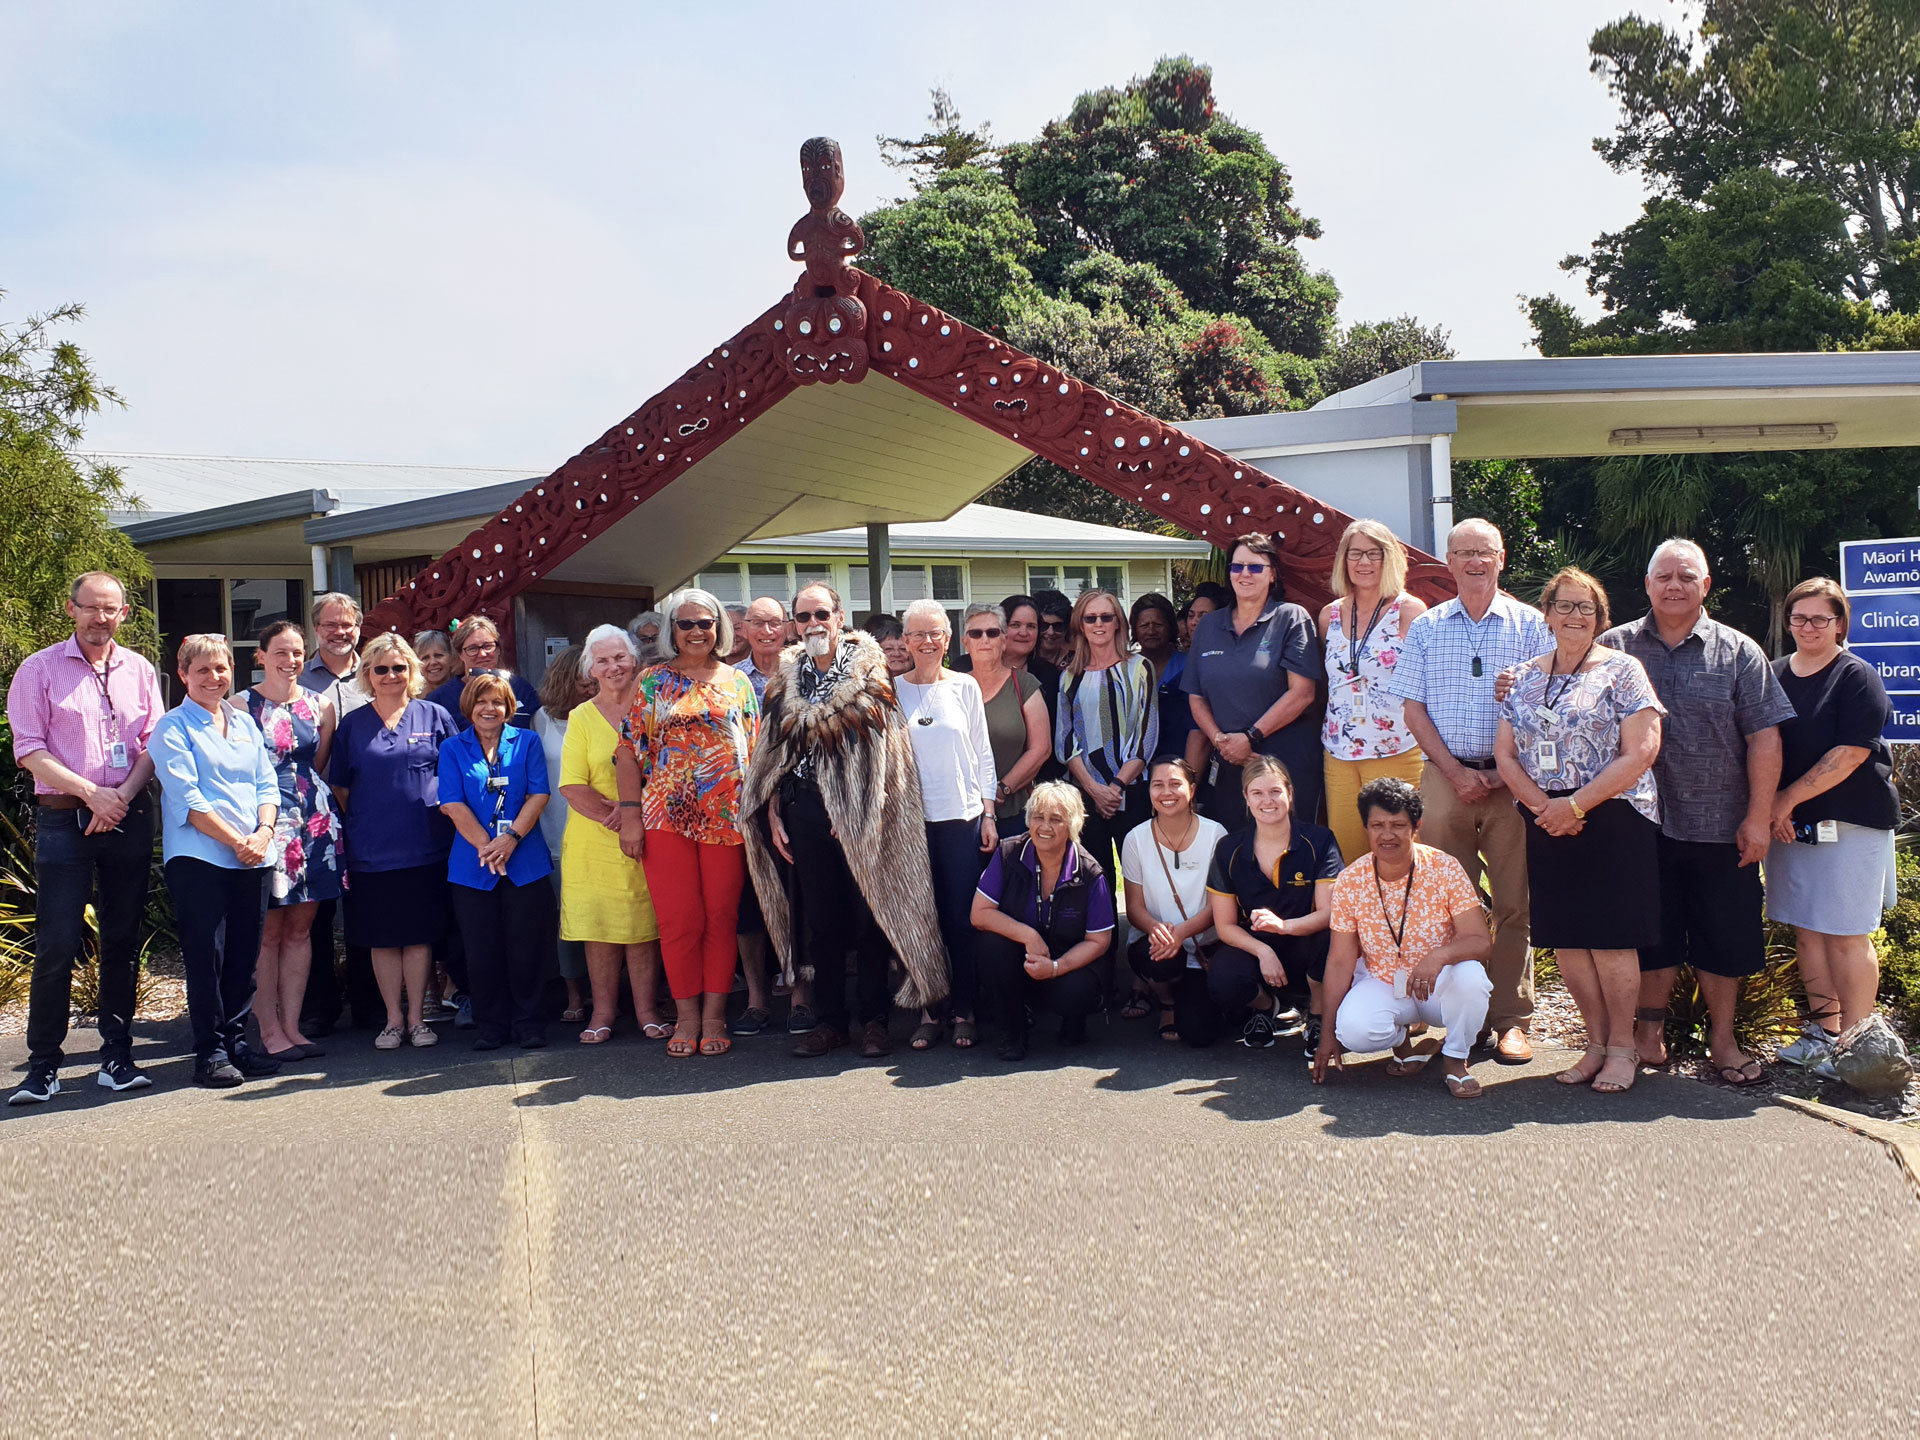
(648, 629)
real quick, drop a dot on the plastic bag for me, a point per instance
(1871, 1058)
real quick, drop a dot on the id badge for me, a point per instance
(1826, 832)
(1401, 980)
(1546, 757)
(501, 825)
(117, 755)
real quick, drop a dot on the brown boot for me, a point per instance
(874, 1041)
(819, 1040)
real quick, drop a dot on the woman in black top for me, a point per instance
(1830, 871)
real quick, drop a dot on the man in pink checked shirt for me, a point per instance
(82, 712)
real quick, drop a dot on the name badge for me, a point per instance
(117, 755)
(501, 825)
(1547, 718)
(1826, 832)
(1546, 757)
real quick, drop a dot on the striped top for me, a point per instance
(1108, 717)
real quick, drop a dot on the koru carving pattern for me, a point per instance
(837, 323)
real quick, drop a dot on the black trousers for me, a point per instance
(1011, 991)
(1233, 976)
(325, 998)
(70, 869)
(219, 967)
(953, 848)
(507, 932)
(833, 916)
(1102, 837)
(1195, 1015)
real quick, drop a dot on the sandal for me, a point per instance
(1138, 1003)
(1464, 1087)
(1737, 1076)
(1415, 1060)
(596, 1035)
(573, 1015)
(1614, 1087)
(926, 1034)
(1168, 1030)
(682, 1046)
(656, 1029)
(715, 1045)
(1650, 1016)
(1573, 1075)
(963, 1034)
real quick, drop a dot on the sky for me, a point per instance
(480, 233)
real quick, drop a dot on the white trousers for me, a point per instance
(1371, 1019)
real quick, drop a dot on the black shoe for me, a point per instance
(120, 1074)
(1312, 1036)
(1073, 1029)
(801, 1021)
(533, 1040)
(217, 1077)
(1015, 1047)
(313, 1025)
(311, 1052)
(39, 1087)
(487, 1042)
(255, 1066)
(1258, 1031)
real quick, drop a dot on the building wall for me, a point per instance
(1391, 483)
(565, 619)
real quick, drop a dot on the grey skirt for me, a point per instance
(1837, 889)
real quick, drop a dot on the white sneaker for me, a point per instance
(1813, 1046)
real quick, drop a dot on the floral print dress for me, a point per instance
(1365, 719)
(307, 857)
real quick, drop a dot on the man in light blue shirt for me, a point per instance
(1445, 673)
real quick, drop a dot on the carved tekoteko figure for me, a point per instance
(825, 325)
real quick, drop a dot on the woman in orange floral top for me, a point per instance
(680, 767)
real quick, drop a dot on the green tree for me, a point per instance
(1364, 352)
(949, 146)
(963, 243)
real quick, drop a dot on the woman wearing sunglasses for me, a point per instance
(385, 773)
(680, 768)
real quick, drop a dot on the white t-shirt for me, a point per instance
(553, 819)
(1189, 869)
(947, 722)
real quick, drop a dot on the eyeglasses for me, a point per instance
(1373, 555)
(765, 624)
(705, 623)
(1812, 622)
(1573, 607)
(480, 647)
(390, 669)
(103, 611)
(1487, 555)
(820, 615)
(1248, 567)
(993, 634)
(1058, 627)
(920, 636)
(1099, 619)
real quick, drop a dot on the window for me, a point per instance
(1074, 580)
(908, 583)
(765, 580)
(723, 582)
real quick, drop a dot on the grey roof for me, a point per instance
(1317, 427)
(186, 484)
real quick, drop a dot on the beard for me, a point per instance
(819, 646)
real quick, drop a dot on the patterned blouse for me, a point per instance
(1368, 907)
(1583, 722)
(1365, 719)
(1108, 717)
(691, 739)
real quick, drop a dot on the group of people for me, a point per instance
(858, 820)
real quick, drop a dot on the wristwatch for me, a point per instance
(1252, 732)
(1574, 805)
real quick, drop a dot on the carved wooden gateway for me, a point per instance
(838, 326)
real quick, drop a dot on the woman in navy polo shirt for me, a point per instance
(493, 786)
(1047, 919)
(385, 774)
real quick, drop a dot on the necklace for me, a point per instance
(1192, 830)
(1406, 907)
(921, 701)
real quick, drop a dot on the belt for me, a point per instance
(1487, 764)
(57, 802)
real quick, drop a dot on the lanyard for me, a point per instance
(1553, 669)
(493, 775)
(101, 678)
(1357, 642)
(1406, 908)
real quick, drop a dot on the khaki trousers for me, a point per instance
(1489, 838)
(1344, 779)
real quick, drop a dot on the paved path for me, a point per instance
(1129, 1239)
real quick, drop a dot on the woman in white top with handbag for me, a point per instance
(947, 722)
(1165, 863)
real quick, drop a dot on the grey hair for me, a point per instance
(332, 597)
(73, 591)
(1679, 543)
(601, 633)
(432, 640)
(1500, 539)
(1059, 795)
(930, 609)
(981, 607)
(707, 601)
(647, 653)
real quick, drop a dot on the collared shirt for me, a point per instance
(526, 698)
(1718, 689)
(813, 682)
(343, 690)
(56, 704)
(1242, 675)
(1436, 667)
(392, 780)
(993, 884)
(756, 677)
(1288, 890)
(521, 762)
(229, 776)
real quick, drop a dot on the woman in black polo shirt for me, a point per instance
(1272, 891)
(1830, 873)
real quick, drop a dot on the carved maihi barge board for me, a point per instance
(838, 326)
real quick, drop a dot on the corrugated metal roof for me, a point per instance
(181, 484)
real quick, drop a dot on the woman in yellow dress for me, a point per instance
(605, 903)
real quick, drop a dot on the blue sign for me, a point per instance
(1882, 582)
(1870, 566)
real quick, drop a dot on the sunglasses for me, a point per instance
(1248, 567)
(391, 669)
(1059, 627)
(1099, 619)
(983, 634)
(685, 625)
(821, 615)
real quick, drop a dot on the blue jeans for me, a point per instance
(67, 867)
(953, 849)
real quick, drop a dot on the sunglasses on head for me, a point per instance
(685, 625)
(993, 634)
(390, 669)
(821, 615)
(1248, 567)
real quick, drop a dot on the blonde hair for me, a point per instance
(193, 647)
(1059, 795)
(1393, 560)
(380, 645)
(1076, 627)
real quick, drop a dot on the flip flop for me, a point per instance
(596, 1035)
(1737, 1076)
(657, 1029)
(1415, 1060)
(573, 1015)
(1464, 1087)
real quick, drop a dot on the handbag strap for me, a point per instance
(1178, 903)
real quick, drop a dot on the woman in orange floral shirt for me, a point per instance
(680, 767)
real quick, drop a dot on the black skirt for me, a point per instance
(391, 909)
(1600, 889)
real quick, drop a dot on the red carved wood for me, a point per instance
(837, 322)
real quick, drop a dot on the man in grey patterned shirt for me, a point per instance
(1718, 769)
